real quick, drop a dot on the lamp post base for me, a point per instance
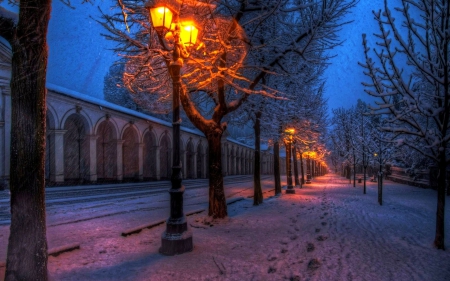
(176, 242)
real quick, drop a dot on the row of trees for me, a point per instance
(263, 53)
(415, 97)
(260, 63)
(410, 80)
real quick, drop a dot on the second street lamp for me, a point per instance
(290, 188)
(177, 238)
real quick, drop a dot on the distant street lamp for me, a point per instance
(177, 238)
(290, 134)
(309, 154)
(380, 176)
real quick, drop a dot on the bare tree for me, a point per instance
(415, 96)
(27, 37)
(226, 71)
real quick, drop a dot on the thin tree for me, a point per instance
(415, 96)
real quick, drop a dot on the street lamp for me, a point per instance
(309, 154)
(177, 238)
(290, 133)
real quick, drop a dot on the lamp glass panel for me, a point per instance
(161, 17)
(188, 34)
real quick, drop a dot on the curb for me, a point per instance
(56, 251)
(138, 229)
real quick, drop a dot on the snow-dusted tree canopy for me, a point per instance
(415, 98)
(243, 42)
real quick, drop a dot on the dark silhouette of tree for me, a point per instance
(27, 244)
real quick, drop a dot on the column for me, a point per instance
(56, 147)
(119, 164)
(183, 163)
(194, 159)
(224, 159)
(141, 161)
(234, 164)
(157, 162)
(92, 139)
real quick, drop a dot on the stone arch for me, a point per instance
(76, 148)
(82, 113)
(51, 118)
(149, 156)
(106, 150)
(190, 160)
(130, 153)
(165, 158)
(111, 122)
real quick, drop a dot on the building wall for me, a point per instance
(91, 140)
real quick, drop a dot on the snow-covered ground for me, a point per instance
(328, 230)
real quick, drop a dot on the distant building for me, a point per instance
(92, 141)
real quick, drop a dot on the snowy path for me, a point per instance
(326, 231)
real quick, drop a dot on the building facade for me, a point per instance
(92, 141)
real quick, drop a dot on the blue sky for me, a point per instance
(79, 57)
(344, 75)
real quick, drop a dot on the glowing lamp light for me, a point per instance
(188, 33)
(161, 17)
(310, 154)
(290, 131)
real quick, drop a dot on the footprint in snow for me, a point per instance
(313, 264)
(321, 238)
(310, 247)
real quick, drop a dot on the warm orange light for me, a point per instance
(310, 154)
(188, 33)
(290, 131)
(161, 17)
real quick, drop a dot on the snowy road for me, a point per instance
(131, 194)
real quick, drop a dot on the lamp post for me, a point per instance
(177, 238)
(290, 188)
(308, 154)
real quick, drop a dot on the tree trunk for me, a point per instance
(287, 161)
(294, 151)
(217, 201)
(440, 222)
(276, 167)
(27, 245)
(258, 197)
(302, 169)
(354, 170)
(365, 171)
